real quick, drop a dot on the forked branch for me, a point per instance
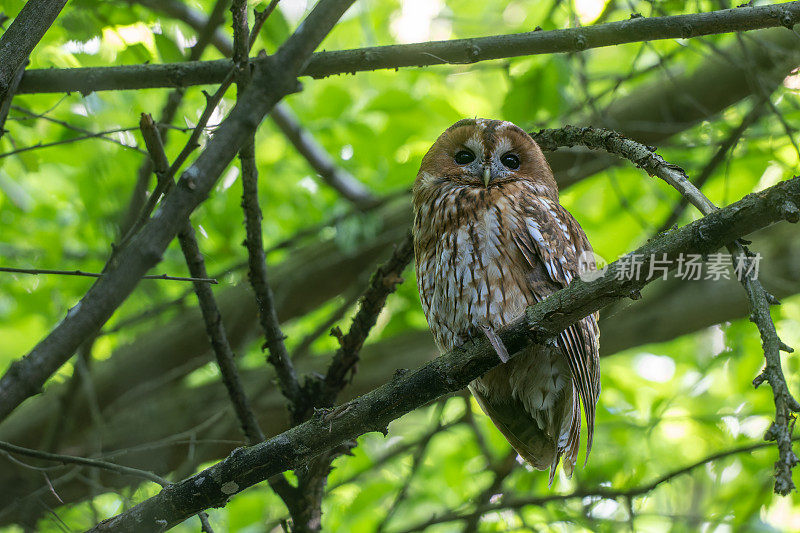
(645, 157)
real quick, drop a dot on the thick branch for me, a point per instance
(458, 51)
(323, 393)
(272, 80)
(448, 373)
(22, 36)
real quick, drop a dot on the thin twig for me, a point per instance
(382, 283)
(37, 271)
(95, 463)
(257, 272)
(721, 152)
(599, 492)
(205, 524)
(99, 134)
(258, 22)
(208, 306)
(31, 115)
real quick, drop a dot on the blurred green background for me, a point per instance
(663, 406)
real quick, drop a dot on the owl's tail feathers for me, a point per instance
(523, 433)
(573, 434)
(541, 447)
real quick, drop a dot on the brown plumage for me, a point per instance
(490, 238)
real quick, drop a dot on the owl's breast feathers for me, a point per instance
(482, 256)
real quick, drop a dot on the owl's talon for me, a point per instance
(497, 343)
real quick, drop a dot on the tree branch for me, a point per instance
(760, 300)
(90, 135)
(155, 363)
(337, 178)
(37, 271)
(320, 394)
(31, 115)
(457, 51)
(347, 185)
(83, 461)
(605, 493)
(254, 241)
(208, 306)
(22, 36)
(448, 373)
(272, 80)
(382, 283)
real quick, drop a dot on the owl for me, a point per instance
(490, 239)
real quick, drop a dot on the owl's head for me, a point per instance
(486, 154)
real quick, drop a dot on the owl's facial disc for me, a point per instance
(487, 154)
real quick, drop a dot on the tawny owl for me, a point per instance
(491, 238)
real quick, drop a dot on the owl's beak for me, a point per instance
(487, 176)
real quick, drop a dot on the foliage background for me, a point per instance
(663, 405)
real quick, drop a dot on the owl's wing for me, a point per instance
(551, 241)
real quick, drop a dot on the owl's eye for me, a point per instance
(464, 156)
(510, 160)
